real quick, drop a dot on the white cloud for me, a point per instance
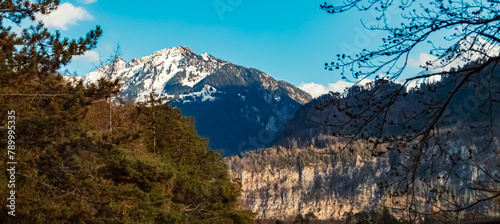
(66, 14)
(422, 60)
(90, 57)
(314, 89)
(469, 51)
(317, 89)
(87, 1)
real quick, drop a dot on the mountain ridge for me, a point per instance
(222, 97)
(191, 69)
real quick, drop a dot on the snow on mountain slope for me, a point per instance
(224, 99)
(206, 94)
(415, 84)
(176, 71)
(171, 66)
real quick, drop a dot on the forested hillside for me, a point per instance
(360, 111)
(335, 159)
(80, 154)
(150, 166)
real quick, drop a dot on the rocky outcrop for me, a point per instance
(331, 182)
(289, 182)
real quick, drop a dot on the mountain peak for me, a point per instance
(170, 67)
(179, 70)
(178, 51)
(223, 97)
(182, 49)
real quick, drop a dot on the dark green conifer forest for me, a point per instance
(80, 160)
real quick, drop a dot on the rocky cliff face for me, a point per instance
(281, 183)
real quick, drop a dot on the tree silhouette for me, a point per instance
(435, 137)
(29, 56)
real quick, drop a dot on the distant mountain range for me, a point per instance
(237, 108)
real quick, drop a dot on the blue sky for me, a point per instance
(289, 40)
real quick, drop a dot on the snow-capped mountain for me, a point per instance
(237, 108)
(417, 83)
(168, 71)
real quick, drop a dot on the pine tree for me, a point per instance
(73, 170)
(36, 53)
